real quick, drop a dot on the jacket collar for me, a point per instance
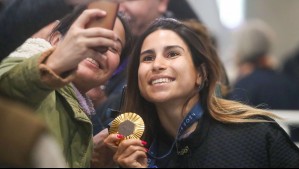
(69, 94)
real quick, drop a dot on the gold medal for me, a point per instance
(130, 125)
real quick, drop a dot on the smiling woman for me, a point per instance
(163, 68)
(96, 69)
(187, 126)
(54, 83)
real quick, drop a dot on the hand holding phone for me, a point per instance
(111, 7)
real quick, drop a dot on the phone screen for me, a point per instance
(111, 7)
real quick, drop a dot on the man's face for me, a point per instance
(142, 13)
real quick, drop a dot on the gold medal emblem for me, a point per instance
(130, 125)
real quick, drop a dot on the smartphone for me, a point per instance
(111, 7)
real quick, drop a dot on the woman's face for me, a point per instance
(166, 72)
(96, 71)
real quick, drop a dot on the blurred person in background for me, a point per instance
(258, 83)
(143, 12)
(291, 67)
(181, 10)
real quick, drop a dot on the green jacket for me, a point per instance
(54, 100)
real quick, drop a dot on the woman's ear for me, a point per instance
(201, 75)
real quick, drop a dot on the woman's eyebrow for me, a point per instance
(173, 46)
(150, 51)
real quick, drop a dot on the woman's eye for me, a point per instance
(172, 54)
(113, 50)
(147, 58)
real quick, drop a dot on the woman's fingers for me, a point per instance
(87, 16)
(99, 42)
(127, 144)
(113, 140)
(131, 151)
(137, 159)
(100, 32)
(101, 136)
(102, 156)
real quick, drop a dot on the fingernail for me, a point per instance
(146, 150)
(120, 136)
(144, 143)
(116, 37)
(103, 12)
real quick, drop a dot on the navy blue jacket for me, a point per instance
(267, 88)
(218, 145)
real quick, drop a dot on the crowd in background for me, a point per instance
(58, 94)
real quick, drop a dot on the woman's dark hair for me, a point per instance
(66, 22)
(202, 31)
(210, 68)
(127, 49)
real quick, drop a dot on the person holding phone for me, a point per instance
(171, 85)
(54, 83)
(25, 140)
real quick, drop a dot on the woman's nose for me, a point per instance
(159, 64)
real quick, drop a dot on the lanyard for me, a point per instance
(193, 116)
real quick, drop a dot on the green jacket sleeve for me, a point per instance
(29, 80)
(21, 81)
(9, 63)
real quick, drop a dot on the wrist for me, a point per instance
(52, 64)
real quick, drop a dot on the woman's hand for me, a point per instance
(79, 43)
(131, 154)
(102, 156)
